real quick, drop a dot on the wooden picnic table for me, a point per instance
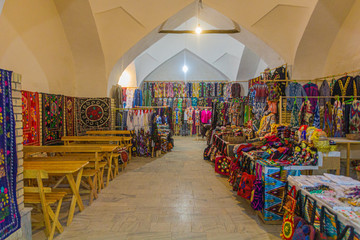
(110, 132)
(120, 141)
(67, 168)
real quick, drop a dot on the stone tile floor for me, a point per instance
(176, 196)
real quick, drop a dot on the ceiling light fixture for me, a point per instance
(185, 69)
(198, 29)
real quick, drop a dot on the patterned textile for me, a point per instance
(93, 114)
(70, 116)
(9, 212)
(294, 120)
(317, 117)
(338, 118)
(312, 90)
(31, 118)
(294, 90)
(52, 118)
(305, 114)
(275, 181)
(328, 119)
(324, 91)
(355, 117)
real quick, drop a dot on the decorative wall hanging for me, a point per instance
(93, 114)
(53, 119)
(31, 118)
(70, 116)
(9, 212)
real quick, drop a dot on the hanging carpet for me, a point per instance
(70, 116)
(31, 118)
(9, 212)
(52, 119)
(93, 114)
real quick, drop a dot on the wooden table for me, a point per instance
(120, 141)
(110, 132)
(108, 150)
(348, 143)
(67, 168)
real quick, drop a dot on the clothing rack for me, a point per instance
(270, 70)
(139, 108)
(338, 75)
(306, 97)
(225, 81)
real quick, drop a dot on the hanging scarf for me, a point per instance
(305, 115)
(355, 117)
(317, 117)
(338, 117)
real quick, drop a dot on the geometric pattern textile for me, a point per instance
(70, 116)
(31, 118)
(9, 212)
(52, 119)
(92, 114)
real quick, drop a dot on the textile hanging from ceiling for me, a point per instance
(52, 119)
(31, 118)
(9, 212)
(93, 114)
(70, 116)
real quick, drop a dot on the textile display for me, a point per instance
(31, 118)
(93, 114)
(52, 119)
(70, 116)
(9, 212)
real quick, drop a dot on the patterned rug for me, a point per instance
(52, 119)
(70, 116)
(9, 212)
(31, 118)
(92, 114)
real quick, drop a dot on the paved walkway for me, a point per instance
(177, 196)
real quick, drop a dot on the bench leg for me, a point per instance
(55, 219)
(58, 224)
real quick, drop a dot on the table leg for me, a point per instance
(76, 196)
(109, 173)
(348, 160)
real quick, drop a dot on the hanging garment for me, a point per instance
(294, 120)
(324, 91)
(197, 117)
(317, 117)
(345, 86)
(194, 102)
(294, 90)
(280, 74)
(355, 117)
(312, 90)
(265, 124)
(338, 117)
(235, 90)
(306, 114)
(129, 98)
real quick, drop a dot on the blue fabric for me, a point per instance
(294, 90)
(317, 117)
(9, 212)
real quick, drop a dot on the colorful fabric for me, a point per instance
(52, 119)
(305, 114)
(93, 114)
(294, 90)
(9, 212)
(30, 118)
(338, 117)
(312, 90)
(317, 117)
(355, 117)
(70, 116)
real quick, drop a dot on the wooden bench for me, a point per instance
(44, 196)
(121, 141)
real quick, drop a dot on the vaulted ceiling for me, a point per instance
(80, 47)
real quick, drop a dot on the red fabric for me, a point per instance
(31, 118)
(246, 185)
(222, 165)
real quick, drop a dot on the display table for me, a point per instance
(348, 143)
(343, 218)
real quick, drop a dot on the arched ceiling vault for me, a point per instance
(89, 42)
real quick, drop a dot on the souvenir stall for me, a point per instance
(327, 204)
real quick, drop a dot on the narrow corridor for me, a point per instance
(177, 196)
